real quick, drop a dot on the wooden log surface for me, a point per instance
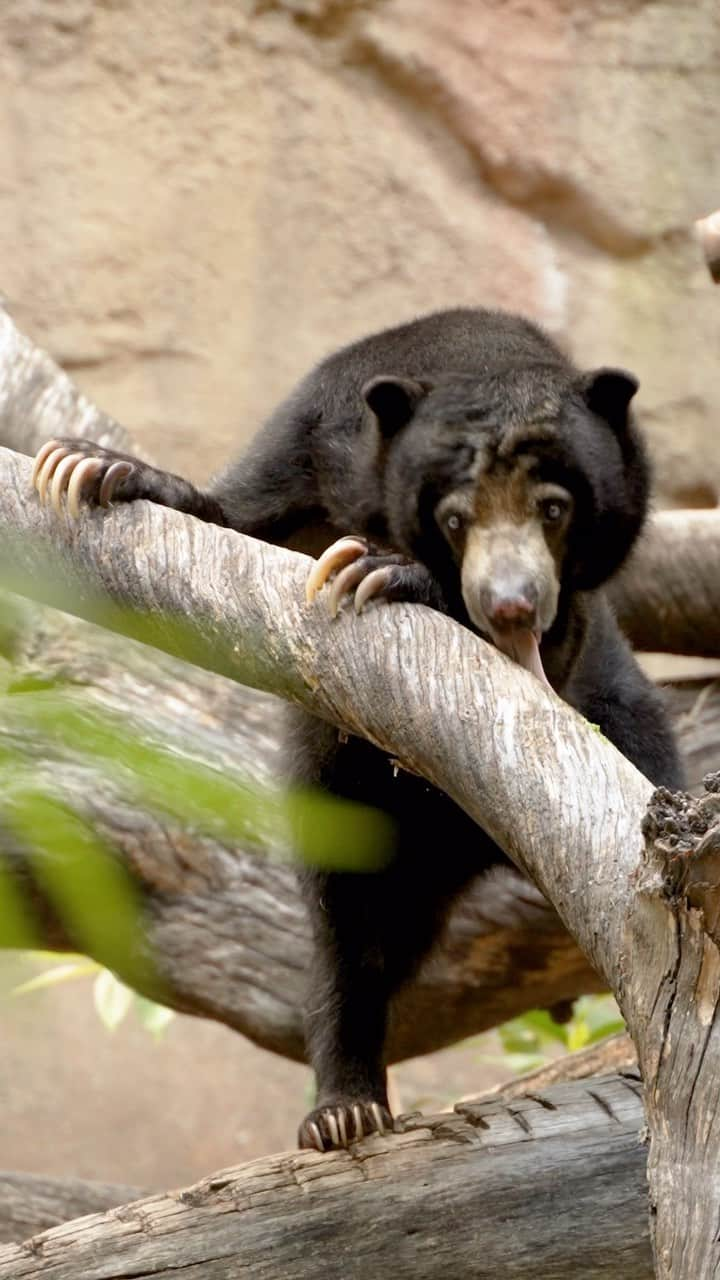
(30, 1203)
(542, 1188)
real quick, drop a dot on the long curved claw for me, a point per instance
(333, 1130)
(47, 467)
(341, 553)
(115, 474)
(373, 585)
(378, 1117)
(41, 457)
(60, 479)
(344, 584)
(316, 1136)
(86, 470)
(342, 1126)
(358, 1120)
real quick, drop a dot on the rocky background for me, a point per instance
(198, 200)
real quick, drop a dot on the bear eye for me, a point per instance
(454, 522)
(552, 510)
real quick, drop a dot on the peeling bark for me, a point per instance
(672, 1011)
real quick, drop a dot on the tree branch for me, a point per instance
(667, 596)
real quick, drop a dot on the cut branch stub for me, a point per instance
(683, 842)
(669, 990)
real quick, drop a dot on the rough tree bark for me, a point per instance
(561, 801)
(30, 1204)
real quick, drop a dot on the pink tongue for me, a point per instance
(521, 645)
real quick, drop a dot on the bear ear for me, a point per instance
(608, 392)
(617, 489)
(393, 400)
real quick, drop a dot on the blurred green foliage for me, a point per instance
(113, 1000)
(536, 1038)
(321, 829)
(60, 867)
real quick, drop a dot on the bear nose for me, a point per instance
(516, 608)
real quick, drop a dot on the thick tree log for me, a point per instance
(667, 595)
(30, 1204)
(549, 1186)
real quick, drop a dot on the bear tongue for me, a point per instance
(521, 645)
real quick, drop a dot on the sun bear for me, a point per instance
(460, 461)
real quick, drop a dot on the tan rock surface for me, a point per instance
(197, 201)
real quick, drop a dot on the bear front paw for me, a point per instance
(357, 569)
(340, 1123)
(81, 470)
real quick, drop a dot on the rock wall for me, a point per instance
(199, 200)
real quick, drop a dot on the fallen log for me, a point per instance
(30, 1204)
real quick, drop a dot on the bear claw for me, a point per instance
(336, 557)
(46, 463)
(84, 472)
(115, 474)
(61, 469)
(41, 457)
(316, 1136)
(374, 584)
(330, 1128)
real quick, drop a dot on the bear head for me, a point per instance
(515, 486)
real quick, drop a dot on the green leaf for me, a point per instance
(89, 889)
(545, 1026)
(534, 1032)
(578, 1034)
(67, 972)
(18, 927)
(155, 1018)
(112, 999)
(600, 1015)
